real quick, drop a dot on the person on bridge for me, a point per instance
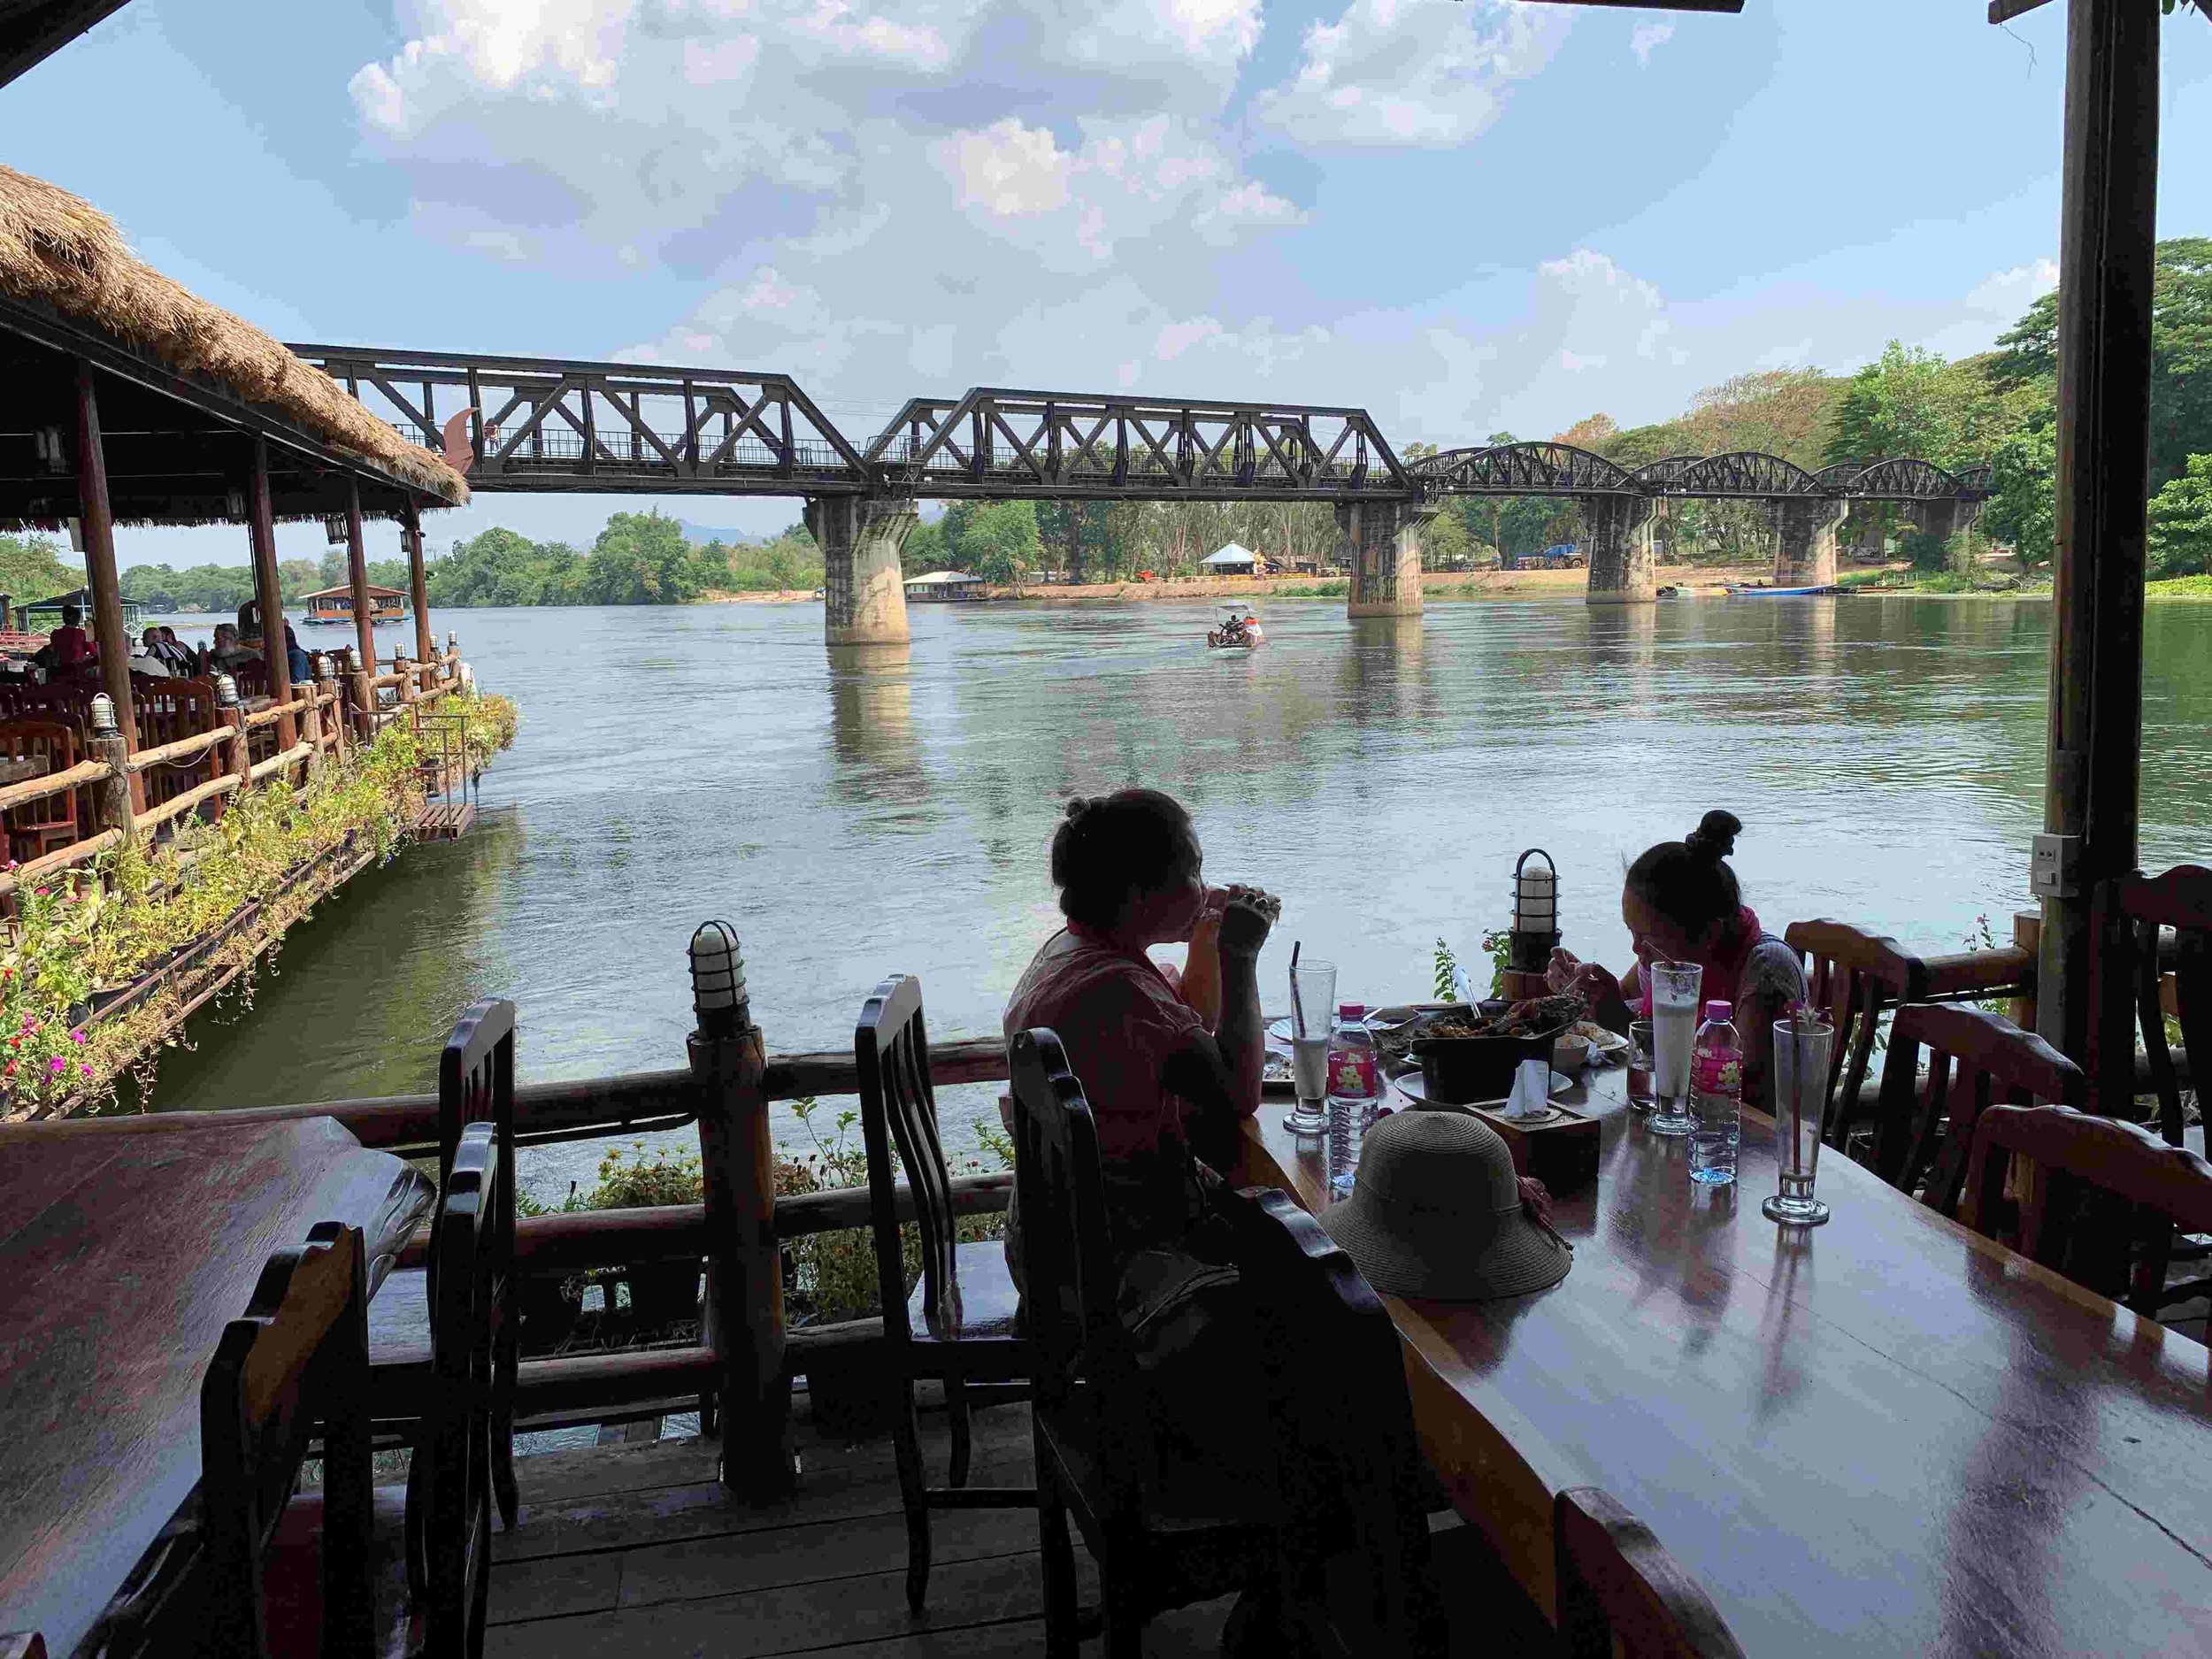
(1681, 902)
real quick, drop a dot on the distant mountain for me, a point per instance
(703, 534)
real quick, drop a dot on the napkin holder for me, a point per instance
(1559, 1148)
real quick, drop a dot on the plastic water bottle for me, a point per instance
(1716, 1098)
(1354, 1079)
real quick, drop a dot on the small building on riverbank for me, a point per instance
(943, 587)
(1231, 560)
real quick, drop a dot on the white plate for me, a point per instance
(1409, 1084)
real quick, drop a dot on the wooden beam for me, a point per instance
(2005, 10)
(97, 523)
(268, 588)
(2106, 258)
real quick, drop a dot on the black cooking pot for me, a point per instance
(1460, 1070)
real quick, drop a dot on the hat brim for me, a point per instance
(1396, 1262)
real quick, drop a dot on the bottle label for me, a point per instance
(1717, 1072)
(1352, 1073)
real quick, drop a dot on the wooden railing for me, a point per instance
(324, 716)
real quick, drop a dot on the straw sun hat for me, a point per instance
(1436, 1213)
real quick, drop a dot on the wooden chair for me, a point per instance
(1348, 1464)
(2100, 1203)
(1923, 1136)
(476, 1085)
(1165, 1533)
(958, 1326)
(1620, 1593)
(1854, 978)
(37, 827)
(2126, 920)
(167, 710)
(297, 1361)
(408, 1577)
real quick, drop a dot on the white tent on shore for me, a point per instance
(1232, 559)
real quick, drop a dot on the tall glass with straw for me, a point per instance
(1312, 1005)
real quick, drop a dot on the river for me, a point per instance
(889, 811)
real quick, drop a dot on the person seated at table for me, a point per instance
(162, 642)
(227, 654)
(297, 666)
(70, 647)
(1681, 902)
(147, 659)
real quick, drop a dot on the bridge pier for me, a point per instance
(1805, 540)
(864, 589)
(1623, 563)
(1379, 542)
(1943, 517)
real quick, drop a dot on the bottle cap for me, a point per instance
(1717, 1009)
(1351, 1011)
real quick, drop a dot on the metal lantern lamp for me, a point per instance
(718, 979)
(226, 691)
(102, 714)
(1535, 931)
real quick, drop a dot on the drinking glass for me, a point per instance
(1674, 992)
(1313, 995)
(1801, 1094)
(1640, 1065)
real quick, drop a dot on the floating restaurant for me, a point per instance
(1952, 1418)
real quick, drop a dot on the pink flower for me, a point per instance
(84, 1067)
(58, 1066)
(77, 1036)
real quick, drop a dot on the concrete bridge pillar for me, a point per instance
(863, 590)
(1944, 517)
(1379, 542)
(1805, 540)
(1622, 566)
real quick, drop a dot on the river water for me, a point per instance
(889, 811)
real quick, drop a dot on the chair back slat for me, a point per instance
(1975, 1059)
(1347, 1462)
(35, 825)
(2130, 920)
(1620, 1593)
(297, 1359)
(2098, 1203)
(898, 1120)
(1853, 976)
(464, 1357)
(1069, 1280)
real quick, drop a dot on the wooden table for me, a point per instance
(1881, 1436)
(123, 1251)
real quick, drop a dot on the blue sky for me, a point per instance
(1461, 216)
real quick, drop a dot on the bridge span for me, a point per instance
(556, 423)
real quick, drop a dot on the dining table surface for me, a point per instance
(126, 1246)
(1882, 1435)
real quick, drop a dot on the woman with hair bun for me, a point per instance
(1681, 902)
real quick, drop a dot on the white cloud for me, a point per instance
(1411, 72)
(1007, 170)
(1647, 38)
(2007, 294)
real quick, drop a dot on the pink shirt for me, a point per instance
(1119, 1019)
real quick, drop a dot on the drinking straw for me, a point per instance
(1297, 1020)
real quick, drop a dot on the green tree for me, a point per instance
(2021, 508)
(643, 559)
(925, 548)
(998, 542)
(1906, 403)
(30, 568)
(2181, 522)
(1445, 541)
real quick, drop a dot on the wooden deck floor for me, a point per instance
(634, 1552)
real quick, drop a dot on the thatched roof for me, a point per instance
(58, 250)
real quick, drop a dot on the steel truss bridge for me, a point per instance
(551, 424)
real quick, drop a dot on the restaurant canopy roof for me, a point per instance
(345, 591)
(183, 387)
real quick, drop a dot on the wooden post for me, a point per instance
(363, 690)
(261, 527)
(111, 801)
(418, 580)
(99, 521)
(232, 709)
(744, 1305)
(326, 685)
(357, 572)
(310, 729)
(405, 670)
(2107, 258)
(2027, 934)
